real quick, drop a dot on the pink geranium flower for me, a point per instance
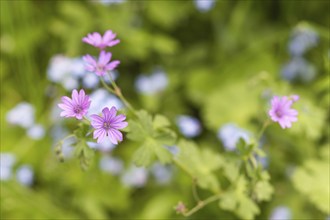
(102, 65)
(95, 39)
(75, 107)
(108, 125)
(282, 112)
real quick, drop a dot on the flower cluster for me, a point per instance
(298, 68)
(78, 105)
(101, 65)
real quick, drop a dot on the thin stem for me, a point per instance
(264, 126)
(120, 95)
(194, 190)
(183, 167)
(201, 204)
(106, 86)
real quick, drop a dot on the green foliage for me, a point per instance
(219, 108)
(154, 135)
(193, 159)
(312, 180)
(237, 200)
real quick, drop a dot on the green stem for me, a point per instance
(201, 204)
(194, 190)
(107, 87)
(264, 126)
(183, 167)
(116, 90)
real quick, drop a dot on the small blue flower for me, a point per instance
(163, 174)
(204, 5)
(230, 133)
(104, 146)
(281, 213)
(174, 150)
(298, 69)
(36, 132)
(135, 177)
(111, 165)
(7, 160)
(22, 115)
(150, 85)
(189, 126)
(302, 40)
(25, 175)
(101, 98)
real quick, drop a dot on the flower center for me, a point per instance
(106, 125)
(77, 109)
(99, 68)
(279, 113)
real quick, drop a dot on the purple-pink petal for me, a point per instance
(108, 125)
(282, 112)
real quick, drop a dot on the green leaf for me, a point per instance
(312, 180)
(160, 121)
(217, 112)
(136, 131)
(84, 153)
(263, 190)
(231, 170)
(247, 209)
(143, 156)
(154, 134)
(194, 160)
(228, 201)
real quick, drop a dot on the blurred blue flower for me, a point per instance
(7, 160)
(66, 71)
(36, 132)
(104, 146)
(90, 80)
(230, 133)
(111, 165)
(110, 2)
(163, 174)
(22, 115)
(174, 150)
(189, 126)
(204, 5)
(135, 177)
(302, 39)
(25, 175)
(281, 213)
(150, 85)
(101, 99)
(298, 69)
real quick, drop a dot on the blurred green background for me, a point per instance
(223, 63)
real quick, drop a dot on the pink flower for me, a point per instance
(95, 39)
(75, 107)
(108, 125)
(101, 66)
(281, 111)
